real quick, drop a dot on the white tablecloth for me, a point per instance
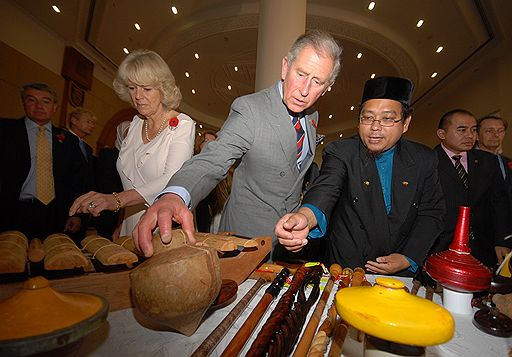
(122, 335)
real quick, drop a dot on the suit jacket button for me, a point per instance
(355, 199)
(282, 173)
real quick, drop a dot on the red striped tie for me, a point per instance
(300, 135)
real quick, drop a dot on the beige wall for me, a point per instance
(483, 87)
(18, 69)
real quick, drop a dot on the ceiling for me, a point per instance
(224, 34)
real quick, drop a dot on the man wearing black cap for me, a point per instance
(378, 199)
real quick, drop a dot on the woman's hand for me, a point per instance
(93, 203)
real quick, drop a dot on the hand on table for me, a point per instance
(388, 264)
(169, 207)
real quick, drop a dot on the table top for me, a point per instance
(124, 335)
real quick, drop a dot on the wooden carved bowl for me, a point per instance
(176, 287)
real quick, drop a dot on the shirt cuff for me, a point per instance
(414, 267)
(177, 190)
(321, 228)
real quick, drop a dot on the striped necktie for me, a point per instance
(45, 189)
(300, 135)
(463, 175)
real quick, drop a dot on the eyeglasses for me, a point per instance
(385, 121)
(494, 131)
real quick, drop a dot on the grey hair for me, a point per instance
(144, 67)
(38, 86)
(323, 43)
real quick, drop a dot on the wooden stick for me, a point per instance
(216, 335)
(338, 337)
(308, 334)
(322, 338)
(239, 340)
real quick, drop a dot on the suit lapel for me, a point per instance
(282, 126)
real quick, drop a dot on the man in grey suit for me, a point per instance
(262, 131)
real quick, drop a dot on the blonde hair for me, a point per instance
(144, 67)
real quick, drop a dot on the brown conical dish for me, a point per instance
(175, 288)
(39, 319)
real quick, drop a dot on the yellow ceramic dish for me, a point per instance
(387, 311)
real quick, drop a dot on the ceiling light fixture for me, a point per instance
(137, 26)
(193, 91)
(125, 50)
(229, 87)
(359, 55)
(419, 23)
(56, 9)
(371, 5)
(236, 68)
(372, 76)
(174, 10)
(439, 49)
(434, 75)
(187, 74)
(196, 55)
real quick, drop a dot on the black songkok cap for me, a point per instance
(395, 88)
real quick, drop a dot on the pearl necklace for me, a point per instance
(157, 133)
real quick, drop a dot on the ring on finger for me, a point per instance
(91, 205)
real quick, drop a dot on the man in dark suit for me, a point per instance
(478, 184)
(377, 199)
(491, 133)
(41, 168)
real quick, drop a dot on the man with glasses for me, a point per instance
(377, 199)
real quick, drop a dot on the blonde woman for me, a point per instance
(159, 140)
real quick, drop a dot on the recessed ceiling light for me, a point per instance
(125, 50)
(56, 9)
(187, 74)
(434, 75)
(371, 5)
(341, 135)
(359, 55)
(229, 87)
(352, 108)
(419, 23)
(439, 49)
(193, 91)
(236, 68)
(200, 126)
(330, 116)
(174, 10)
(196, 55)
(137, 26)
(372, 76)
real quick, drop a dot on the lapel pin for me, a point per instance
(405, 183)
(366, 183)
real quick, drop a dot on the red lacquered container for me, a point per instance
(456, 268)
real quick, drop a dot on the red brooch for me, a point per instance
(173, 123)
(61, 137)
(313, 122)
